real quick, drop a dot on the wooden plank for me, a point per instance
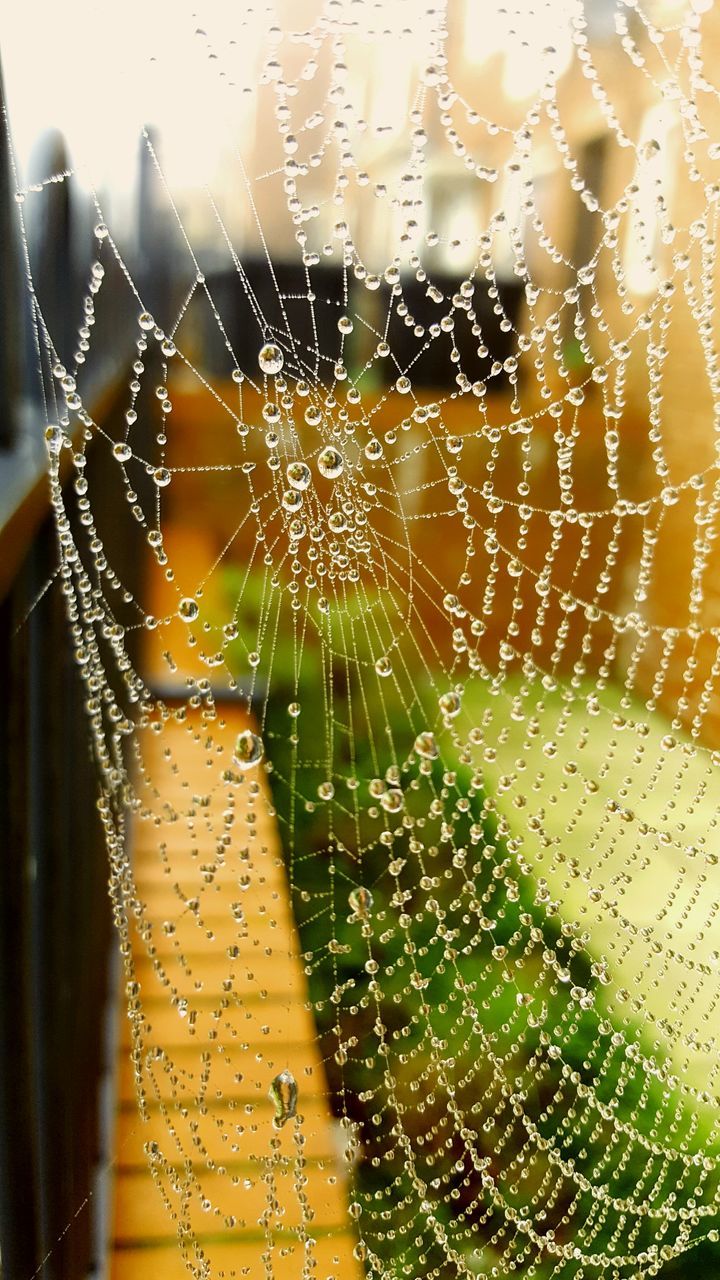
(253, 972)
(207, 1094)
(256, 1024)
(223, 1132)
(242, 1074)
(228, 1203)
(164, 1261)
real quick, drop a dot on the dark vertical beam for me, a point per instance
(55, 938)
(19, 1231)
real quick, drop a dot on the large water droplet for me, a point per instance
(426, 746)
(392, 800)
(330, 462)
(383, 666)
(188, 609)
(283, 1093)
(298, 474)
(54, 439)
(248, 749)
(271, 358)
(291, 500)
(361, 901)
(122, 451)
(449, 704)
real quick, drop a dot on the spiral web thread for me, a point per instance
(457, 644)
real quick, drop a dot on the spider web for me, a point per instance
(431, 595)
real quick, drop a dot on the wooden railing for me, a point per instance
(55, 929)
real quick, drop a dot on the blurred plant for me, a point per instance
(445, 913)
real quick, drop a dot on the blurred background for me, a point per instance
(161, 125)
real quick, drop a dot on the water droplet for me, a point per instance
(361, 901)
(650, 148)
(283, 1093)
(54, 439)
(392, 800)
(188, 609)
(162, 477)
(291, 500)
(345, 324)
(431, 76)
(330, 462)
(403, 385)
(426, 746)
(383, 666)
(326, 791)
(298, 474)
(146, 321)
(449, 704)
(248, 749)
(271, 358)
(122, 451)
(373, 450)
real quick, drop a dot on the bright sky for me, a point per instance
(99, 73)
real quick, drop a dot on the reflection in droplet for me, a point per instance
(271, 358)
(298, 474)
(283, 1093)
(248, 749)
(392, 800)
(291, 500)
(426, 746)
(361, 901)
(54, 439)
(330, 462)
(450, 704)
(188, 609)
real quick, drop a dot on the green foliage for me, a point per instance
(431, 1056)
